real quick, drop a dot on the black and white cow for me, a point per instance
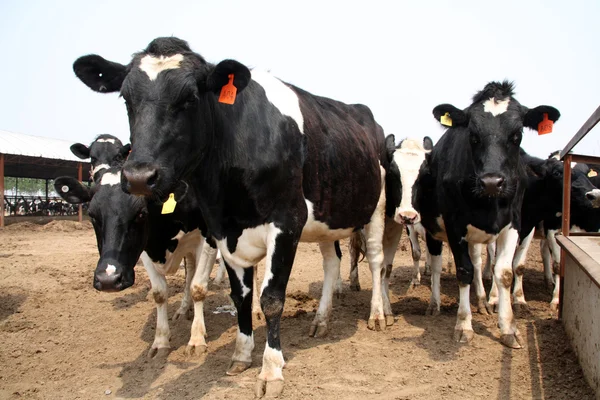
(277, 165)
(471, 192)
(104, 152)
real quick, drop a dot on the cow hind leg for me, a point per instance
(331, 270)
(434, 247)
(357, 250)
(490, 261)
(547, 262)
(555, 252)
(518, 269)
(160, 347)
(416, 255)
(482, 305)
(391, 237)
(185, 308)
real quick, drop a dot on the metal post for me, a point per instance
(566, 224)
(2, 190)
(79, 176)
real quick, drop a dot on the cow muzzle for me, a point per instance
(140, 180)
(492, 184)
(594, 197)
(111, 279)
(407, 217)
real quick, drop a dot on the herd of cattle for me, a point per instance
(37, 205)
(223, 157)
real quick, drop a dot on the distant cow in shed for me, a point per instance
(471, 193)
(104, 152)
(276, 165)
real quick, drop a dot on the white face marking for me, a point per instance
(105, 141)
(317, 231)
(99, 167)
(111, 179)
(280, 95)
(110, 269)
(152, 66)
(496, 107)
(409, 158)
(476, 235)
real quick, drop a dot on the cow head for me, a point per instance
(105, 151)
(584, 193)
(406, 161)
(120, 224)
(494, 125)
(171, 94)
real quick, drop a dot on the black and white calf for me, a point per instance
(471, 192)
(277, 165)
(104, 152)
(129, 227)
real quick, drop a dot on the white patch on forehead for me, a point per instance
(153, 66)
(496, 107)
(110, 269)
(99, 167)
(280, 95)
(105, 141)
(409, 158)
(111, 179)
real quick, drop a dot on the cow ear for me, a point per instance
(219, 76)
(125, 150)
(80, 150)
(99, 74)
(458, 117)
(72, 190)
(390, 146)
(427, 143)
(534, 116)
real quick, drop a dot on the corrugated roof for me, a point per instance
(35, 146)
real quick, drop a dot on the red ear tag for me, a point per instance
(228, 92)
(545, 126)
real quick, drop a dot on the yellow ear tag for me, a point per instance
(169, 205)
(592, 173)
(446, 120)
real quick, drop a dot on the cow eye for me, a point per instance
(474, 138)
(556, 173)
(141, 216)
(516, 138)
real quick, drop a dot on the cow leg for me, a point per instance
(241, 282)
(374, 234)
(391, 238)
(463, 253)
(482, 305)
(555, 252)
(518, 269)
(331, 270)
(339, 290)
(255, 296)
(506, 244)
(416, 254)
(280, 257)
(490, 261)
(221, 270)
(434, 247)
(160, 347)
(186, 302)
(547, 262)
(356, 248)
(205, 261)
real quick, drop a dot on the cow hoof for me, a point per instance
(189, 314)
(463, 335)
(484, 308)
(519, 307)
(554, 307)
(318, 330)
(237, 367)
(389, 320)
(432, 310)
(158, 353)
(511, 340)
(195, 350)
(268, 389)
(376, 324)
(549, 284)
(415, 282)
(355, 287)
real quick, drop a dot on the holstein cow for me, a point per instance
(276, 165)
(129, 227)
(104, 152)
(542, 208)
(471, 192)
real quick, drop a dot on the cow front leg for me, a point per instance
(356, 248)
(518, 269)
(160, 347)
(434, 247)
(185, 308)
(506, 244)
(547, 262)
(391, 237)
(241, 283)
(280, 258)
(465, 270)
(205, 260)
(475, 251)
(490, 261)
(555, 252)
(331, 271)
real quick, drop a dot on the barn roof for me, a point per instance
(27, 156)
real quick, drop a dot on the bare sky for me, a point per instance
(399, 58)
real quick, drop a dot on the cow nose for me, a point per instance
(406, 217)
(139, 180)
(594, 197)
(492, 184)
(108, 282)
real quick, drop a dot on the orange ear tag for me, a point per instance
(228, 92)
(545, 126)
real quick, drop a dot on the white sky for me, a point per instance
(399, 58)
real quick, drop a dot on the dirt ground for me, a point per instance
(61, 339)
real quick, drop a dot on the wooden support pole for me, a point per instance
(2, 190)
(79, 176)
(566, 224)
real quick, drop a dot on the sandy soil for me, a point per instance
(61, 339)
